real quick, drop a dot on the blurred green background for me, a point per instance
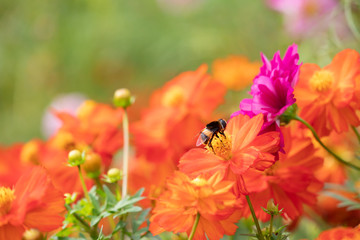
(49, 48)
(54, 47)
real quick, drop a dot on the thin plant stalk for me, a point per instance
(83, 184)
(193, 230)
(271, 224)
(92, 231)
(356, 133)
(260, 235)
(337, 157)
(125, 153)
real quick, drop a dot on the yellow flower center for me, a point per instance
(311, 9)
(221, 146)
(6, 198)
(85, 109)
(200, 182)
(322, 80)
(173, 97)
(29, 153)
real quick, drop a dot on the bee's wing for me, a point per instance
(200, 140)
(203, 137)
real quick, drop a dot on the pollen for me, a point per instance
(322, 80)
(6, 198)
(221, 146)
(199, 182)
(173, 97)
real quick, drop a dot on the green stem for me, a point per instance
(260, 235)
(271, 224)
(356, 133)
(126, 153)
(117, 190)
(98, 183)
(83, 184)
(350, 20)
(93, 232)
(193, 230)
(323, 145)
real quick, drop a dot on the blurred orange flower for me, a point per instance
(235, 72)
(327, 96)
(340, 233)
(177, 111)
(33, 203)
(242, 149)
(330, 211)
(149, 175)
(11, 165)
(178, 206)
(96, 125)
(65, 178)
(290, 182)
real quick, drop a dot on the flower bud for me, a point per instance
(122, 98)
(271, 206)
(272, 209)
(32, 234)
(92, 164)
(113, 175)
(76, 158)
(70, 198)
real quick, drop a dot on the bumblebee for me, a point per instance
(210, 131)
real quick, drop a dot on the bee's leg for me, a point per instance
(222, 133)
(210, 145)
(216, 135)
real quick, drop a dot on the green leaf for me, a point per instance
(110, 199)
(140, 219)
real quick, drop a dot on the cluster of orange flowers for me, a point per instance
(186, 184)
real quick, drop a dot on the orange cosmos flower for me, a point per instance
(96, 125)
(193, 91)
(327, 96)
(330, 210)
(235, 72)
(168, 128)
(290, 182)
(11, 165)
(65, 178)
(33, 203)
(340, 233)
(149, 175)
(242, 149)
(178, 206)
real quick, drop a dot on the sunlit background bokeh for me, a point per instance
(92, 47)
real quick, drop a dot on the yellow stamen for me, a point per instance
(173, 97)
(322, 80)
(200, 182)
(221, 146)
(7, 196)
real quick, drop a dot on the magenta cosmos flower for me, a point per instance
(273, 87)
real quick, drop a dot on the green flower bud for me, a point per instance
(32, 234)
(76, 158)
(113, 175)
(123, 98)
(70, 198)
